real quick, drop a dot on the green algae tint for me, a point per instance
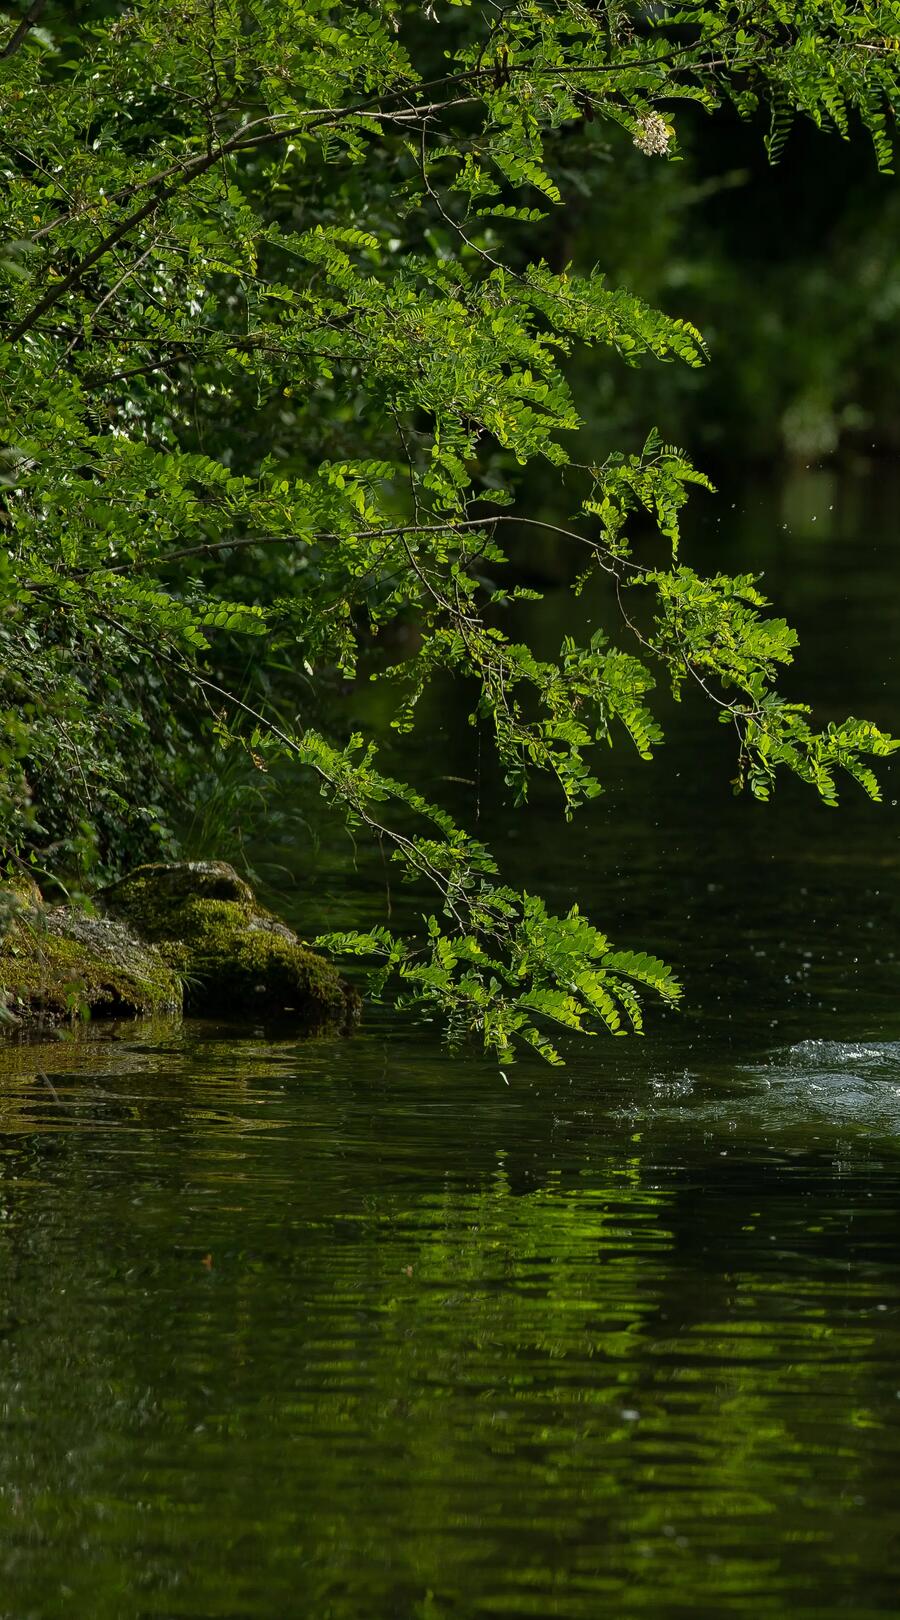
(355, 1331)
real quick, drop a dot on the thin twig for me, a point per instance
(54, 1093)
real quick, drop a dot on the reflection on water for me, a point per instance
(355, 1331)
(341, 1330)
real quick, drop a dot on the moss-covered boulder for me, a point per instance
(187, 936)
(56, 963)
(232, 956)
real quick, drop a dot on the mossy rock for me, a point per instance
(232, 956)
(58, 964)
(189, 936)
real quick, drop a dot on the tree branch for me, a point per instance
(213, 547)
(316, 118)
(17, 38)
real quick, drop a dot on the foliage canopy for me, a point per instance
(272, 352)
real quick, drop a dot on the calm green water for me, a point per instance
(358, 1332)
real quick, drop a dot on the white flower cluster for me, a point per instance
(652, 135)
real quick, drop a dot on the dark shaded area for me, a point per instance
(790, 271)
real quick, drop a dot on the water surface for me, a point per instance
(362, 1332)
